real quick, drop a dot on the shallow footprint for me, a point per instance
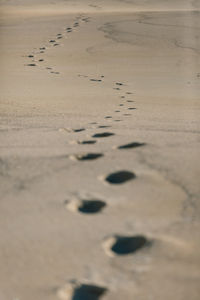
(120, 177)
(78, 130)
(102, 134)
(131, 145)
(124, 245)
(86, 156)
(97, 80)
(85, 206)
(78, 291)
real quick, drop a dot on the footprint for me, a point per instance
(48, 68)
(78, 291)
(131, 108)
(121, 104)
(31, 65)
(108, 117)
(98, 80)
(117, 110)
(127, 114)
(56, 44)
(69, 29)
(42, 48)
(117, 120)
(122, 97)
(129, 101)
(85, 206)
(119, 83)
(59, 37)
(120, 177)
(30, 55)
(52, 41)
(78, 130)
(41, 59)
(104, 126)
(124, 245)
(129, 93)
(102, 134)
(131, 145)
(117, 89)
(86, 156)
(87, 142)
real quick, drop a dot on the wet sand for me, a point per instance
(99, 148)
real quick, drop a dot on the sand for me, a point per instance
(99, 150)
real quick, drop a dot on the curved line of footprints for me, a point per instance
(115, 244)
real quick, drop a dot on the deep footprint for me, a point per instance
(131, 145)
(78, 291)
(120, 177)
(103, 134)
(87, 156)
(91, 206)
(124, 245)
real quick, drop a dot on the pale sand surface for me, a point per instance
(153, 48)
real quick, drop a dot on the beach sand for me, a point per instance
(99, 150)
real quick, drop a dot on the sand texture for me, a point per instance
(99, 150)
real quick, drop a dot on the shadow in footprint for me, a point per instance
(102, 134)
(124, 245)
(90, 206)
(131, 145)
(87, 156)
(87, 142)
(78, 291)
(132, 108)
(97, 80)
(78, 130)
(31, 65)
(88, 292)
(120, 177)
(108, 117)
(104, 126)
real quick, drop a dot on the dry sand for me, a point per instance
(80, 216)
